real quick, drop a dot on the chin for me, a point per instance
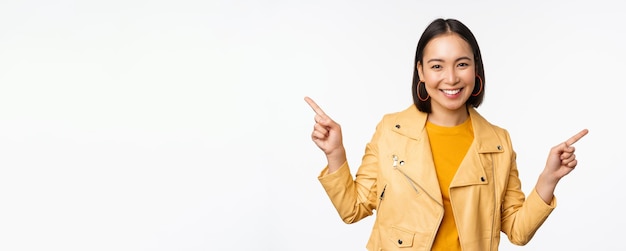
(456, 107)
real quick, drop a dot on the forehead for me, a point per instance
(448, 45)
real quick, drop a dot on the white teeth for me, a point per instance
(452, 92)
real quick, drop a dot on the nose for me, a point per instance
(451, 77)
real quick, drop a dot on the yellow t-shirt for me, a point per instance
(449, 146)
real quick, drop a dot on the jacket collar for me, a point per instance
(412, 123)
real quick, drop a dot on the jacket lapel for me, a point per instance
(471, 171)
(412, 124)
(420, 167)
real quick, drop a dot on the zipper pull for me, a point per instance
(395, 161)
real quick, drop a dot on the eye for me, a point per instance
(436, 66)
(463, 64)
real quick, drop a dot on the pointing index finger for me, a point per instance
(315, 107)
(576, 137)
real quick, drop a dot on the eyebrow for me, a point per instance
(441, 60)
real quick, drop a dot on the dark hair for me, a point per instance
(436, 28)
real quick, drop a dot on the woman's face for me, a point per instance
(448, 72)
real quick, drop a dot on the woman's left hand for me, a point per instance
(562, 159)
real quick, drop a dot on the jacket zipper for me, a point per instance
(382, 196)
(395, 165)
(495, 202)
(414, 184)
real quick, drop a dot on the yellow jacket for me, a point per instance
(397, 179)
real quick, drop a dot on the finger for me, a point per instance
(566, 155)
(316, 108)
(318, 118)
(572, 164)
(576, 137)
(326, 121)
(316, 135)
(321, 129)
(568, 159)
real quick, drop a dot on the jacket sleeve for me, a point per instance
(522, 217)
(356, 198)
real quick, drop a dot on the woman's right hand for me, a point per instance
(327, 136)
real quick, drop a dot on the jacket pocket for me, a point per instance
(402, 237)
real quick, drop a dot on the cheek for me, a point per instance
(431, 77)
(431, 82)
(468, 77)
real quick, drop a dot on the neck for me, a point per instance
(448, 118)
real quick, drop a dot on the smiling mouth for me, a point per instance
(451, 92)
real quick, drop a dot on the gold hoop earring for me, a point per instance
(418, 92)
(481, 86)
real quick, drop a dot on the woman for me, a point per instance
(438, 174)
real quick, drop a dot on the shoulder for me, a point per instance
(488, 132)
(483, 123)
(408, 122)
(409, 115)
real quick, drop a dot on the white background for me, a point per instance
(181, 125)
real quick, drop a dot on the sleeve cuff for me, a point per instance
(326, 177)
(535, 199)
